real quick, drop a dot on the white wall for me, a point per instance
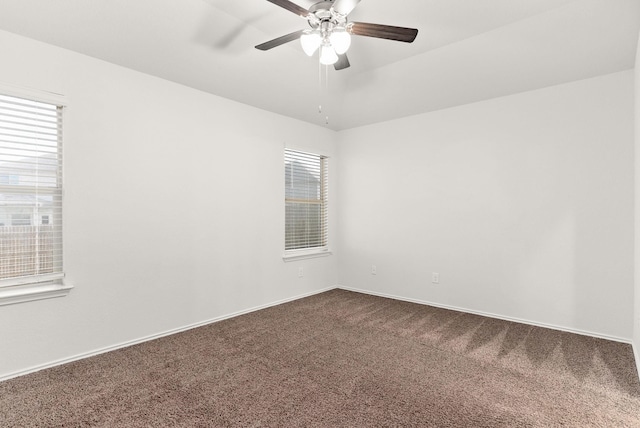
(522, 204)
(174, 208)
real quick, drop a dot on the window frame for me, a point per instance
(44, 286)
(316, 251)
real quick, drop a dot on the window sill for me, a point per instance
(28, 293)
(292, 256)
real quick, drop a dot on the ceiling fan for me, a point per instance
(331, 31)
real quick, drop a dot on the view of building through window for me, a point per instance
(30, 188)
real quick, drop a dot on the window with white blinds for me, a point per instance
(30, 193)
(305, 201)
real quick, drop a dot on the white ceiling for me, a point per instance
(466, 50)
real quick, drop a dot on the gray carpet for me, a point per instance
(340, 359)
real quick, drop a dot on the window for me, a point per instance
(20, 220)
(30, 189)
(305, 203)
(9, 179)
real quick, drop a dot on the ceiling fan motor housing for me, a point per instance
(321, 15)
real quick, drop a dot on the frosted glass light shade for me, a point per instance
(344, 7)
(328, 56)
(340, 40)
(310, 41)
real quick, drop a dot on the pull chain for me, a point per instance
(322, 92)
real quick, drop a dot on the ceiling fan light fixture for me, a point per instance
(340, 40)
(328, 55)
(310, 41)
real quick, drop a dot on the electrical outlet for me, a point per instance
(374, 270)
(300, 272)
(435, 277)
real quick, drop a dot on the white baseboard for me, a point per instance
(637, 356)
(490, 315)
(155, 336)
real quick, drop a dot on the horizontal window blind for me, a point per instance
(30, 191)
(305, 200)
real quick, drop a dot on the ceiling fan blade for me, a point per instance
(291, 7)
(344, 7)
(280, 41)
(389, 32)
(343, 62)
